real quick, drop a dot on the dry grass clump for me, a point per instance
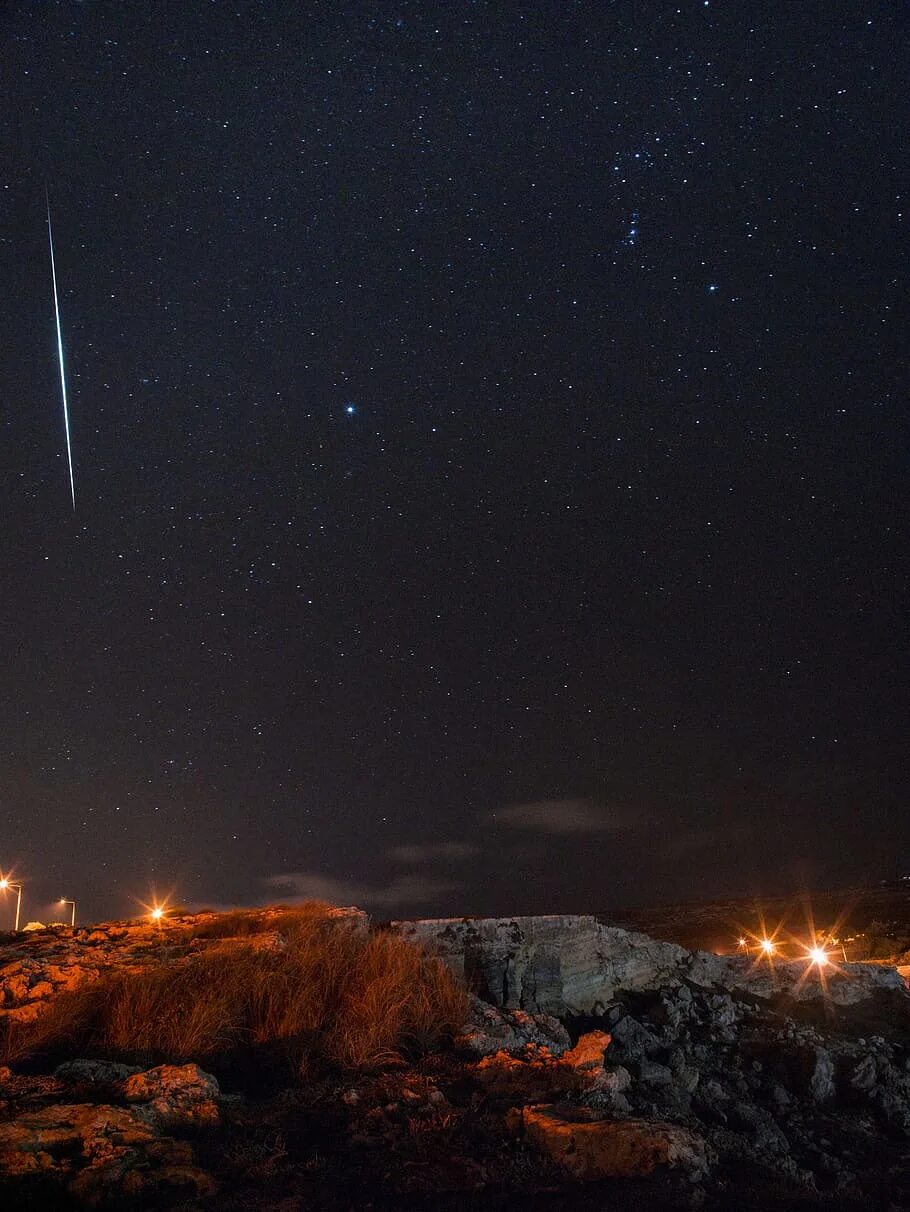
(333, 995)
(244, 923)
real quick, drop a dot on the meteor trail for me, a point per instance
(66, 411)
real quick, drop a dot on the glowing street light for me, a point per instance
(767, 946)
(818, 955)
(6, 884)
(64, 901)
(741, 943)
(156, 914)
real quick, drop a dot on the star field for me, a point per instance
(473, 406)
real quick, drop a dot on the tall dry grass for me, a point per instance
(242, 923)
(332, 995)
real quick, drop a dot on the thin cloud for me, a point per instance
(431, 852)
(562, 817)
(410, 889)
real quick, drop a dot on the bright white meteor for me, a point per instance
(66, 411)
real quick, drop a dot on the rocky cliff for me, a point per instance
(573, 965)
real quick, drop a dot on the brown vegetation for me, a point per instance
(328, 994)
(243, 923)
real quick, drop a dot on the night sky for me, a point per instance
(490, 451)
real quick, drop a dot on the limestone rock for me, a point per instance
(567, 965)
(489, 1030)
(589, 1146)
(99, 1152)
(176, 1095)
(555, 964)
(536, 1074)
(633, 1040)
(821, 1080)
(587, 1057)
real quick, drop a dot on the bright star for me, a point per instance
(712, 288)
(350, 409)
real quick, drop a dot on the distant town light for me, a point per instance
(818, 955)
(767, 946)
(157, 914)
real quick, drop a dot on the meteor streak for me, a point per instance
(66, 412)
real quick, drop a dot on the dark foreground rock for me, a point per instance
(100, 1154)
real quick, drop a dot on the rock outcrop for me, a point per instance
(101, 1152)
(573, 965)
(588, 1145)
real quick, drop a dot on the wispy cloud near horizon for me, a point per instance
(408, 889)
(570, 816)
(431, 852)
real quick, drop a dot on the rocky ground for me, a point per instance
(614, 1072)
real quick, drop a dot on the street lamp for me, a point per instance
(6, 884)
(64, 901)
(157, 914)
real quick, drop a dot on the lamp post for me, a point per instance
(64, 901)
(5, 884)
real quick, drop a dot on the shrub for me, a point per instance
(333, 995)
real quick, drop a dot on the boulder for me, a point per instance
(590, 1146)
(95, 1072)
(176, 1095)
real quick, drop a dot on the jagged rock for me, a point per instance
(672, 1009)
(721, 1008)
(536, 1073)
(821, 1079)
(489, 1030)
(99, 1153)
(653, 1074)
(176, 1095)
(588, 1054)
(589, 1146)
(97, 1072)
(865, 1075)
(633, 1040)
